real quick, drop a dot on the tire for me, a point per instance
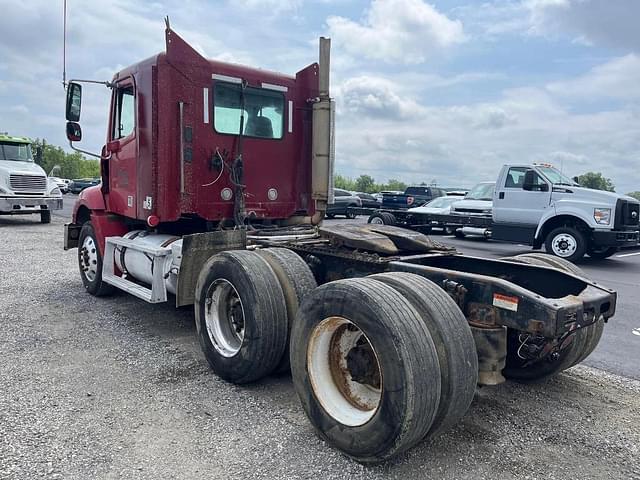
(90, 263)
(453, 340)
(382, 218)
(594, 334)
(350, 215)
(458, 234)
(45, 216)
(393, 355)
(566, 242)
(449, 230)
(601, 253)
(329, 216)
(553, 261)
(565, 358)
(297, 281)
(244, 338)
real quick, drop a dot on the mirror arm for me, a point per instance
(83, 151)
(105, 83)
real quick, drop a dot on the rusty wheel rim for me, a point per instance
(344, 371)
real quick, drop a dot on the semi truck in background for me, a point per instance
(24, 185)
(215, 182)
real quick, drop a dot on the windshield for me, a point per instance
(442, 202)
(17, 152)
(482, 191)
(555, 177)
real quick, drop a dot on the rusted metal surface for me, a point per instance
(482, 315)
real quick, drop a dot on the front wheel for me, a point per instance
(90, 262)
(350, 215)
(600, 253)
(45, 216)
(566, 242)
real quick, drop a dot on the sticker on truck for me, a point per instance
(505, 301)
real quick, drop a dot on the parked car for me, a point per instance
(438, 206)
(368, 200)
(63, 183)
(412, 196)
(79, 184)
(478, 201)
(342, 200)
(378, 196)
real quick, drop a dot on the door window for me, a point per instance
(515, 178)
(124, 113)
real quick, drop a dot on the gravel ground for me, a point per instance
(116, 388)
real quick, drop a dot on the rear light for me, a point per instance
(153, 221)
(410, 200)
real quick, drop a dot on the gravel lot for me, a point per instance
(116, 388)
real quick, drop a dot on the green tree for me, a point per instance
(596, 181)
(394, 184)
(68, 165)
(635, 194)
(340, 181)
(366, 184)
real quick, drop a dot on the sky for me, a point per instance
(444, 91)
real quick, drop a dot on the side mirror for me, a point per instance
(74, 101)
(74, 132)
(576, 179)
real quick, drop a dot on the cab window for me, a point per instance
(515, 178)
(263, 111)
(124, 113)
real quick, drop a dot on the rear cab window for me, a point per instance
(262, 109)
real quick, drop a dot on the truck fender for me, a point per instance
(565, 214)
(89, 200)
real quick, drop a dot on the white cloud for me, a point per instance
(375, 97)
(603, 22)
(396, 31)
(617, 78)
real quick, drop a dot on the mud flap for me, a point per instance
(196, 250)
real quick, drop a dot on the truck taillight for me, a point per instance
(410, 200)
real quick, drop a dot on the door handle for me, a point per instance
(501, 195)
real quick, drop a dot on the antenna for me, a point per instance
(64, 44)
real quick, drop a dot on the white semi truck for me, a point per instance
(24, 185)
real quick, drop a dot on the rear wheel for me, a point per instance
(453, 340)
(365, 368)
(382, 218)
(572, 352)
(297, 282)
(458, 233)
(349, 214)
(90, 262)
(45, 216)
(241, 316)
(600, 253)
(566, 242)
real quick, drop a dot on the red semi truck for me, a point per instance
(215, 181)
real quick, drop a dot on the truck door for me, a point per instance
(516, 211)
(122, 149)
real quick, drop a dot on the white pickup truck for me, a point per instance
(538, 205)
(24, 186)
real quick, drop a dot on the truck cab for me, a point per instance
(538, 205)
(24, 185)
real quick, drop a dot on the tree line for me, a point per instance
(69, 165)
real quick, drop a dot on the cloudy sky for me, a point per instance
(446, 90)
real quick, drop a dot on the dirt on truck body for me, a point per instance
(215, 182)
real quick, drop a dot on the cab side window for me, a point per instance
(515, 178)
(124, 118)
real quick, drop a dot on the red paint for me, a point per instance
(145, 165)
(153, 221)
(90, 198)
(106, 225)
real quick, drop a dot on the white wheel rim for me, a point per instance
(89, 259)
(224, 317)
(377, 221)
(564, 245)
(332, 371)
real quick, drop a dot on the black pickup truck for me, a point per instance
(412, 197)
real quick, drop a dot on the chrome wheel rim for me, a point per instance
(224, 317)
(564, 245)
(344, 371)
(88, 257)
(377, 221)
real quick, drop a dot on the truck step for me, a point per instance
(158, 291)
